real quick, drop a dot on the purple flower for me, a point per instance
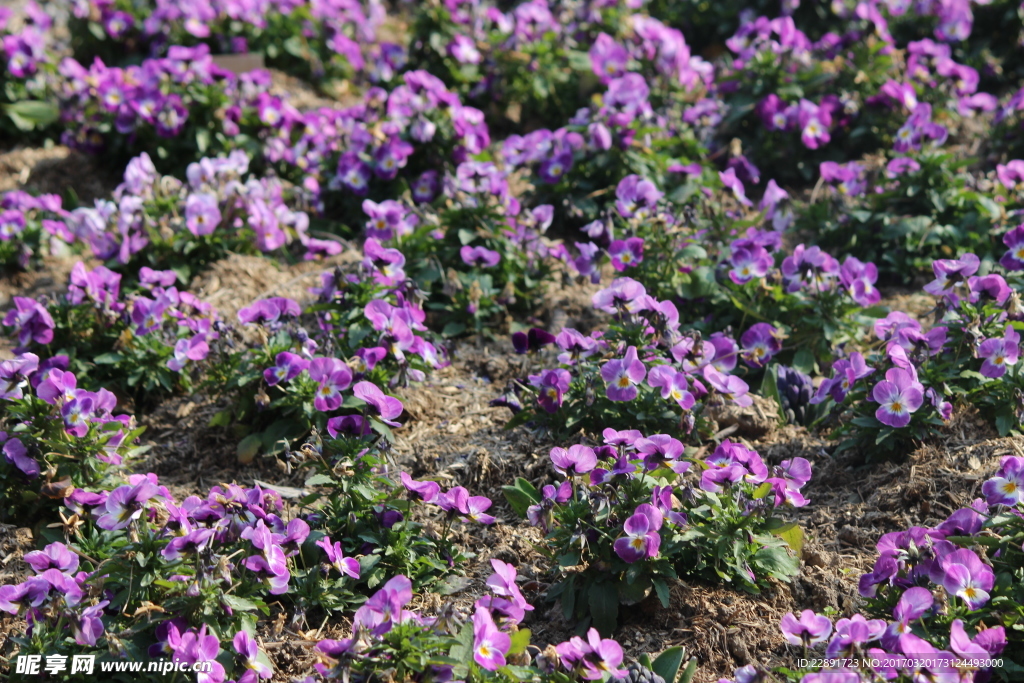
(622, 292)
(54, 556)
(481, 257)
(593, 657)
(636, 196)
(760, 343)
(334, 377)
(489, 644)
(125, 504)
(899, 394)
(748, 262)
(622, 376)
(639, 541)
(577, 460)
(859, 280)
(287, 366)
(1007, 486)
(608, 59)
(913, 604)
(472, 507)
(950, 272)
(16, 454)
(555, 167)
(245, 645)
(730, 386)
(851, 634)
(809, 266)
(31, 321)
(198, 647)
(534, 340)
(202, 213)
(194, 348)
(967, 577)
(269, 310)
(1014, 258)
(378, 404)
(384, 608)
(348, 566)
(673, 384)
(87, 627)
(809, 629)
(503, 583)
(626, 253)
(729, 179)
(992, 286)
(463, 49)
(999, 353)
(988, 643)
(422, 490)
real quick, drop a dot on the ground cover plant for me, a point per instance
(514, 341)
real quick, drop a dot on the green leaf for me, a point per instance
(661, 588)
(803, 360)
(462, 650)
(521, 496)
(793, 535)
(220, 419)
(248, 448)
(761, 491)
(32, 114)
(520, 641)
(466, 237)
(110, 358)
(604, 607)
(777, 562)
(689, 671)
(453, 329)
(240, 604)
(318, 479)
(770, 389)
(453, 585)
(667, 663)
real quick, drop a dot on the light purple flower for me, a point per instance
(16, 453)
(760, 343)
(379, 404)
(269, 310)
(202, 213)
(899, 394)
(1007, 486)
(53, 556)
(489, 644)
(622, 375)
(729, 179)
(950, 272)
(579, 459)
(348, 566)
(749, 262)
(673, 385)
(639, 541)
(999, 353)
(31, 321)
(730, 386)
(1014, 258)
(334, 377)
(967, 577)
(626, 253)
(479, 256)
(809, 629)
(287, 366)
(245, 645)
